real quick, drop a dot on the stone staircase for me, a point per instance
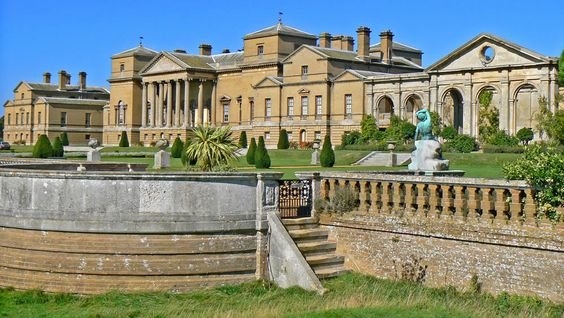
(382, 158)
(319, 252)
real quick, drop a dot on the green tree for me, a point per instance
(549, 123)
(449, 133)
(183, 158)
(327, 157)
(251, 152)
(561, 69)
(65, 139)
(123, 141)
(368, 128)
(212, 147)
(525, 135)
(42, 148)
(243, 140)
(400, 130)
(262, 159)
(58, 149)
(543, 169)
(435, 124)
(2, 127)
(488, 118)
(176, 150)
(283, 142)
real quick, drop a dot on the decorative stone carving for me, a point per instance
(93, 155)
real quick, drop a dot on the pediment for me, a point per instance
(486, 51)
(163, 64)
(303, 91)
(346, 76)
(268, 81)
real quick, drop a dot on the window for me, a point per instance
(260, 50)
(22, 96)
(121, 113)
(290, 107)
(9, 119)
(121, 68)
(27, 118)
(289, 135)
(267, 135)
(252, 111)
(318, 135)
(348, 106)
(268, 108)
(63, 119)
(87, 120)
(305, 103)
(145, 137)
(318, 107)
(22, 118)
(17, 119)
(225, 113)
(86, 137)
(304, 72)
(39, 118)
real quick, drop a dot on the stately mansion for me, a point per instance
(285, 78)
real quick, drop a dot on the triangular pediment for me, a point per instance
(163, 64)
(269, 81)
(348, 75)
(487, 51)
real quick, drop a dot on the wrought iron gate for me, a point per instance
(295, 198)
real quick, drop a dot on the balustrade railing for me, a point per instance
(459, 198)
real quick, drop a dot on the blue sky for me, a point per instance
(38, 36)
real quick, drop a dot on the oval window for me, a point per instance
(487, 54)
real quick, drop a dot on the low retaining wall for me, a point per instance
(86, 232)
(447, 230)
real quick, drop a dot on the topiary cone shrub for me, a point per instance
(123, 141)
(262, 159)
(283, 142)
(327, 157)
(251, 152)
(176, 150)
(243, 140)
(58, 149)
(65, 139)
(42, 148)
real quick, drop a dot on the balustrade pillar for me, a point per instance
(488, 204)
(421, 198)
(515, 206)
(144, 105)
(362, 196)
(408, 197)
(500, 205)
(529, 208)
(385, 197)
(458, 201)
(396, 201)
(448, 200)
(433, 199)
(332, 190)
(374, 191)
(473, 204)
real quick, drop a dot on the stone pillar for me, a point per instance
(212, 106)
(153, 104)
(159, 115)
(144, 105)
(467, 106)
(504, 102)
(169, 104)
(187, 112)
(177, 105)
(200, 117)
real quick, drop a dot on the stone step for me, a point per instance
(316, 247)
(324, 260)
(309, 234)
(329, 272)
(300, 223)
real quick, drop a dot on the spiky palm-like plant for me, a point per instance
(212, 147)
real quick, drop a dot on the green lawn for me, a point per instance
(476, 165)
(351, 295)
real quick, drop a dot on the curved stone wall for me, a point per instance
(87, 232)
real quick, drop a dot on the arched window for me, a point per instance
(451, 113)
(412, 105)
(526, 107)
(385, 111)
(121, 113)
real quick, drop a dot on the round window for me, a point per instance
(487, 54)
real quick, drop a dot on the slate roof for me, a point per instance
(397, 46)
(138, 51)
(73, 101)
(68, 88)
(279, 28)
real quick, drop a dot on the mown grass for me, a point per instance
(351, 295)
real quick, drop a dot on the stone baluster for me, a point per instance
(500, 205)
(530, 208)
(448, 200)
(421, 199)
(458, 201)
(515, 206)
(385, 197)
(362, 196)
(332, 188)
(374, 194)
(396, 196)
(487, 207)
(473, 204)
(323, 190)
(434, 199)
(408, 197)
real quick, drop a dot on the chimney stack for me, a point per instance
(325, 40)
(205, 49)
(363, 41)
(47, 78)
(62, 79)
(386, 46)
(82, 80)
(336, 42)
(347, 43)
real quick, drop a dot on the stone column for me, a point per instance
(187, 111)
(467, 106)
(177, 105)
(212, 106)
(169, 104)
(160, 106)
(153, 104)
(200, 117)
(504, 102)
(144, 105)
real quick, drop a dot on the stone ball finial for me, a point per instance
(93, 143)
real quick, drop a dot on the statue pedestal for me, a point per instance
(315, 157)
(427, 157)
(162, 160)
(93, 155)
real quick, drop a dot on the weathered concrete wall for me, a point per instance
(517, 259)
(86, 232)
